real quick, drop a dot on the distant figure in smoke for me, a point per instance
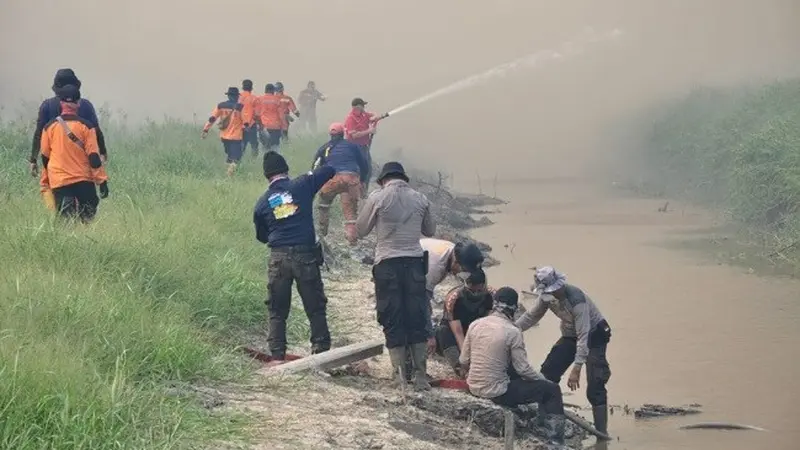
(268, 112)
(51, 108)
(248, 101)
(287, 109)
(71, 160)
(585, 336)
(231, 126)
(350, 167)
(308, 107)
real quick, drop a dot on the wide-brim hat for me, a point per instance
(392, 168)
(232, 91)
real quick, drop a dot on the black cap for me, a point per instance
(506, 296)
(69, 93)
(358, 101)
(269, 88)
(64, 77)
(477, 276)
(247, 85)
(232, 91)
(274, 164)
(278, 86)
(392, 168)
(469, 256)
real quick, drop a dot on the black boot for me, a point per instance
(600, 415)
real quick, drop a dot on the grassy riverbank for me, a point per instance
(737, 150)
(99, 323)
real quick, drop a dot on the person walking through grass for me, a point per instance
(231, 127)
(71, 160)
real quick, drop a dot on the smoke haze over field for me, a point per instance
(153, 58)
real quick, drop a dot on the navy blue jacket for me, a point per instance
(51, 108)
(283, 215)
(344, 156)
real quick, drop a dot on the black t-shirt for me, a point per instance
(466, 306)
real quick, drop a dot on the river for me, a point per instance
(686, 329)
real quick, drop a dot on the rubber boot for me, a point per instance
(419, 355)
(408, 370)
(554, 428)
(600, 415)
(397, 356)
(451, 354)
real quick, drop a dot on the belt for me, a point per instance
(294, 249)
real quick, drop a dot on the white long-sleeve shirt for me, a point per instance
(578, 313)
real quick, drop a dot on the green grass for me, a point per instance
(97, 321)
(738, 149)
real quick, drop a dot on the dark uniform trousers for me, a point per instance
(250, 137)
(598, 372)
(288, 264)
(77, 201)
(401, 300)
(521, 392)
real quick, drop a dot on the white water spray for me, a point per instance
(567, 49)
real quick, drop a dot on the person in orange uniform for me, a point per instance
(287, 109)
(269, 115)
(71, 160)
(231, 127)
(248, 101)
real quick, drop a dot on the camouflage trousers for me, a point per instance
(348, 185)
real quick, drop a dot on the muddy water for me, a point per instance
(685, 329)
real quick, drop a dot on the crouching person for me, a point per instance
(496, 363)
(351, 168)
(585, 337)
(284, 220)
(71, 159)
(463, 306)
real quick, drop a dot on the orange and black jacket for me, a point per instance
(287, 106)
(232, 111)
(248, 101)
(269, 111)
(51, 108)
(65, 162)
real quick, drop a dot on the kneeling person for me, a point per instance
(494, 357)
(463, 306)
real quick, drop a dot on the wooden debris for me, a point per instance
(332, 358)
(650, 410)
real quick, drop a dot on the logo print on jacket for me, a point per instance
(282, 205)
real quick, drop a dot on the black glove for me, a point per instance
(104, 189)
